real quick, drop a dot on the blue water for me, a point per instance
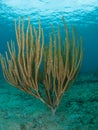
(79, 106)
(83, 14)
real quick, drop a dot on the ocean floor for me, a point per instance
(78, 109)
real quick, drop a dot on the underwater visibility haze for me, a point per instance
(49, 50)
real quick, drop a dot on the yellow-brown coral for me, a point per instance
(43, 72)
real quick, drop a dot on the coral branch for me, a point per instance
(45, 73)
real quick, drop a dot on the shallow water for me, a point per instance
(78, 109)
(82, 14)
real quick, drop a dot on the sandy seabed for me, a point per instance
(78, 109)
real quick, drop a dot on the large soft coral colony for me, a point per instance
(44, 72)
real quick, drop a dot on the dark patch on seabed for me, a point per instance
(78, 109)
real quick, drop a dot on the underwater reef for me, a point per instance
(43, 71)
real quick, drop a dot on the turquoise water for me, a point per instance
(79, 106)
(83, 15)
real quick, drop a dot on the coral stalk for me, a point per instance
(43, 72)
